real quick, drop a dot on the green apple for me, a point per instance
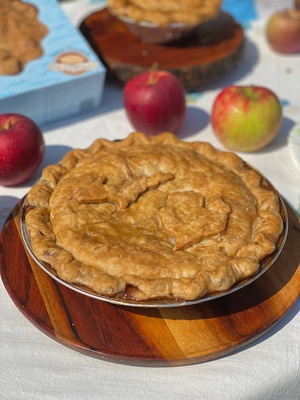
(246, 118)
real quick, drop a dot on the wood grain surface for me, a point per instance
(150, 337)
(212, 51)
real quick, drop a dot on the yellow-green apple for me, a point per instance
(246, 118)
(155, 102)
(283, 31)
(22, 148)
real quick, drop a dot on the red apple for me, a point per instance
(22, 148)
(283, 31)
(246, 118)
(155, 102)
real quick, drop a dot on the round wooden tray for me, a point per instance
(151, 337)
(214, 49)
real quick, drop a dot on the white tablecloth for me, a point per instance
(33, 366)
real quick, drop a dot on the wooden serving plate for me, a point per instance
(151, 337)
(213, 50)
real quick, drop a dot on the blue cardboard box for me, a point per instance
(67, 79)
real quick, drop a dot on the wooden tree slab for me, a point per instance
(151, 337)
(213, 50)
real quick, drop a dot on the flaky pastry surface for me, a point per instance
(21, 34)
(153, 217)
(165, 12)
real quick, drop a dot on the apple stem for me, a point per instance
(152, 77)
(6, 125)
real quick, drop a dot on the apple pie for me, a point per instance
(166, 12)
(21, 34)
(153, 218)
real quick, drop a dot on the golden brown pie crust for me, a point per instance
(153, 217)
(165, 12)
(20, 35)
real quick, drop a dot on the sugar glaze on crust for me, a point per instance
(153, 217)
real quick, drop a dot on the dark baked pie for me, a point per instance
(153, 217)
(166, 12)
